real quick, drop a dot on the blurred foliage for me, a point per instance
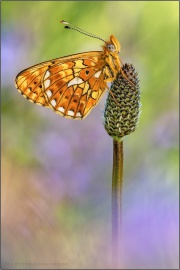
(56, 172)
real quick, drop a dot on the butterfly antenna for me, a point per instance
(73, 27)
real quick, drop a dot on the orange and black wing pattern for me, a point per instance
(71, 85)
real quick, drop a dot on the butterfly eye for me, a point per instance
(111, 47)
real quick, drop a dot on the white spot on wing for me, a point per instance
(97, 74)
(78, 114)
(61, 109)
(47, 74)
(28, 92)
(47, 83)
(70, 113)
(53, 102)
(74, 81)
(49, 93)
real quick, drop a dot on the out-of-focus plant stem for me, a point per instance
(117, 182)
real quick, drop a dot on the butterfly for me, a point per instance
(72, 85)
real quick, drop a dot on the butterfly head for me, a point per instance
(112, 46)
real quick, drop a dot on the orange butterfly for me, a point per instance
(72, 85)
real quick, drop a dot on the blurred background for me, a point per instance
(56, 172)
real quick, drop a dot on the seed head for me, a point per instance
(122, 111)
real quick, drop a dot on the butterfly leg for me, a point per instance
(115, 69)
(108, 74)
(111, 70)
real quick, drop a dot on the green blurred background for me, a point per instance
(56, 172)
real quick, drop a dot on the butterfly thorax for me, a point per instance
(111, 52)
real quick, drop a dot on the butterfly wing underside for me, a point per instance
(71, 86)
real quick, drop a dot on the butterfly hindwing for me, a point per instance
(71, 86)
(74, 90)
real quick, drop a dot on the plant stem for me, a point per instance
(117, 181)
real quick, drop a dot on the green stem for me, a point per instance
(117, 182)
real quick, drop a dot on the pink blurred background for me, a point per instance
(56, 172)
